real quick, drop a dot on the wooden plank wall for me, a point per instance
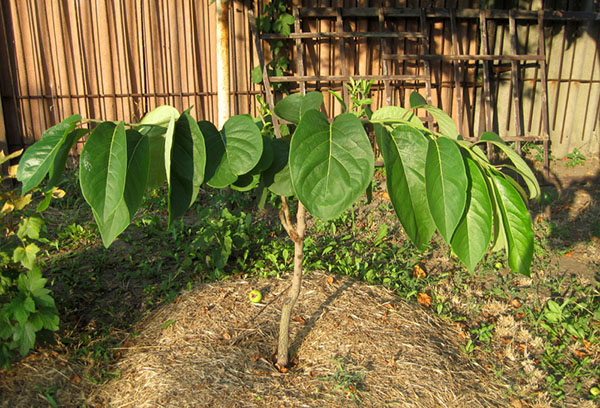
(120, 58)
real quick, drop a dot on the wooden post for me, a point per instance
(223, 89)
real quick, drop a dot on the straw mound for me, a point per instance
(213, 348)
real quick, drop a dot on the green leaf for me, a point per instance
(404, 152)
(243, 144)
(517, 225)
(38, 158)
(416, 100)
(26, 255)
(330, 165)
(340, 100)
(292, 107)
(521, 167)
(393, 115)
(30, 227)
(138, 163)
(218, 171)
(445, 123)
(58, 166)
(446, 184)
(257, 75)
(185, 158)
(266, 159)
(246, 182)
(160, 116)
(103, 168)
(48, 318)
(32, 281)
(163, 118)
(472, 236)
(24, 336)
(277, 177)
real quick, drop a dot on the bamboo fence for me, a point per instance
(119, 59)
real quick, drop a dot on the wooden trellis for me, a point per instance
(393, 45)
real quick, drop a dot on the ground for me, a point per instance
(377, 324)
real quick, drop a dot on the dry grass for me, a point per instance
(212, 348)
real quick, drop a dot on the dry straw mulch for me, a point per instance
(212, 348)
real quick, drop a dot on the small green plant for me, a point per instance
(26, 306)
(349, 381)
(359, 92)
(575, 158)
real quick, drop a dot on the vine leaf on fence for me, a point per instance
(446, 185)
(103, 168)
(155, 126)
(185, 163)
(404, 152)
(472, 236)
(516, 223)
(292, 107)
(38, 158)
(331, 165)
(138, 164)
(519, 164)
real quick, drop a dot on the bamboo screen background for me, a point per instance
(119, 59)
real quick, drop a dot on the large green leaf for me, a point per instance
(393, 115)
(185, 161)
(161, 118)
(277, 177)
(292, 107)
(138, 163)
(404, 153)
(243, 144)
(218, 171)
(445, 123)
(446, 184)
(472, 236)
(331, 165)
(58, 166)
(517, 225)
(521, 167)
(103, 168)
(38, 158)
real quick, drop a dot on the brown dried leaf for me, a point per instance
(419, 272)
(424, 299)
(299, 320)
(75, 379)
(515, 303)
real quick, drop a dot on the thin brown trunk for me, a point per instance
(297, 235)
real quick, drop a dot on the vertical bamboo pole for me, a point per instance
(223, 88)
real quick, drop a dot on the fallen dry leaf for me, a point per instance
(424, 299)
(330, 280)
(75, 379)
(385, 195)
(419, 272)
(516, 304)
(299, 320)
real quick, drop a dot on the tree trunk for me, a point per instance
(297, 235)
